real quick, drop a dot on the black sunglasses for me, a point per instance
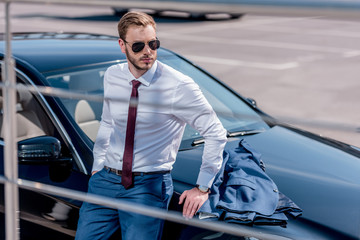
(138, 46)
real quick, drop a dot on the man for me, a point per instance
(134, 164)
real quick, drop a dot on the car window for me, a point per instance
(234, 114)
(31, 119)
(82, 86)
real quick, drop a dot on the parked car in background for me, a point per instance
(321, 175)
(195, 9)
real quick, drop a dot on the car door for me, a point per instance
(38, 127)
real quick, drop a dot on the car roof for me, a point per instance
(49, 52)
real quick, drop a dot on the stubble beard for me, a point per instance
(134, 61)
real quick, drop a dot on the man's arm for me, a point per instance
(103, 137)
(191, 106)
(101, 145)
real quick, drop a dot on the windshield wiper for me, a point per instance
(244, 132)
(230, 135)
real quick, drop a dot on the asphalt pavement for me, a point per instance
(303, 70)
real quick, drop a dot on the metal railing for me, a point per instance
(10, 132)
(342, 9)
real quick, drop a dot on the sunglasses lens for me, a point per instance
(138, 46)
(154, 44)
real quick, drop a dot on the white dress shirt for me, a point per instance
(168, 100)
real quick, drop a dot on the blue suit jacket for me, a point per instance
(243, 193)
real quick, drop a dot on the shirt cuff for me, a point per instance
(205, 179)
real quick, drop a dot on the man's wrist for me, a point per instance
(203, 189)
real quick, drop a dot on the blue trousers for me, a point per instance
(99, 222)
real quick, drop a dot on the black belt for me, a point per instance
(119, 172)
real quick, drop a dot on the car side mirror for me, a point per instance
(40, 150)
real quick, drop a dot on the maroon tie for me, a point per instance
(126, 178)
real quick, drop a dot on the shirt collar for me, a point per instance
(147, 78)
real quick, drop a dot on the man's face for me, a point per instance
(139, 62)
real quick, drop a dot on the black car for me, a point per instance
(321, 175)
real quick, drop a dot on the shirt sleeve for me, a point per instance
(103, 137)
(190, 105)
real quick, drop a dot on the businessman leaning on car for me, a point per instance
(138, 139)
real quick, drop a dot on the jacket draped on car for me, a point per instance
(243, 193)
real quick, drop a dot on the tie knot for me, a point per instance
(135, 83)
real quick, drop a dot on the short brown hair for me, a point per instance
(134, 18)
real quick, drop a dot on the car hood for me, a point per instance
(322, 179)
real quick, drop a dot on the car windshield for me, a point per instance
(232, 111)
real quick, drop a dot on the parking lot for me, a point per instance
(303, 70)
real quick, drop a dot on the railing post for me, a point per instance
(10, 133)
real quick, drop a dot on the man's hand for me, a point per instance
(194, 199)
(93, 172)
